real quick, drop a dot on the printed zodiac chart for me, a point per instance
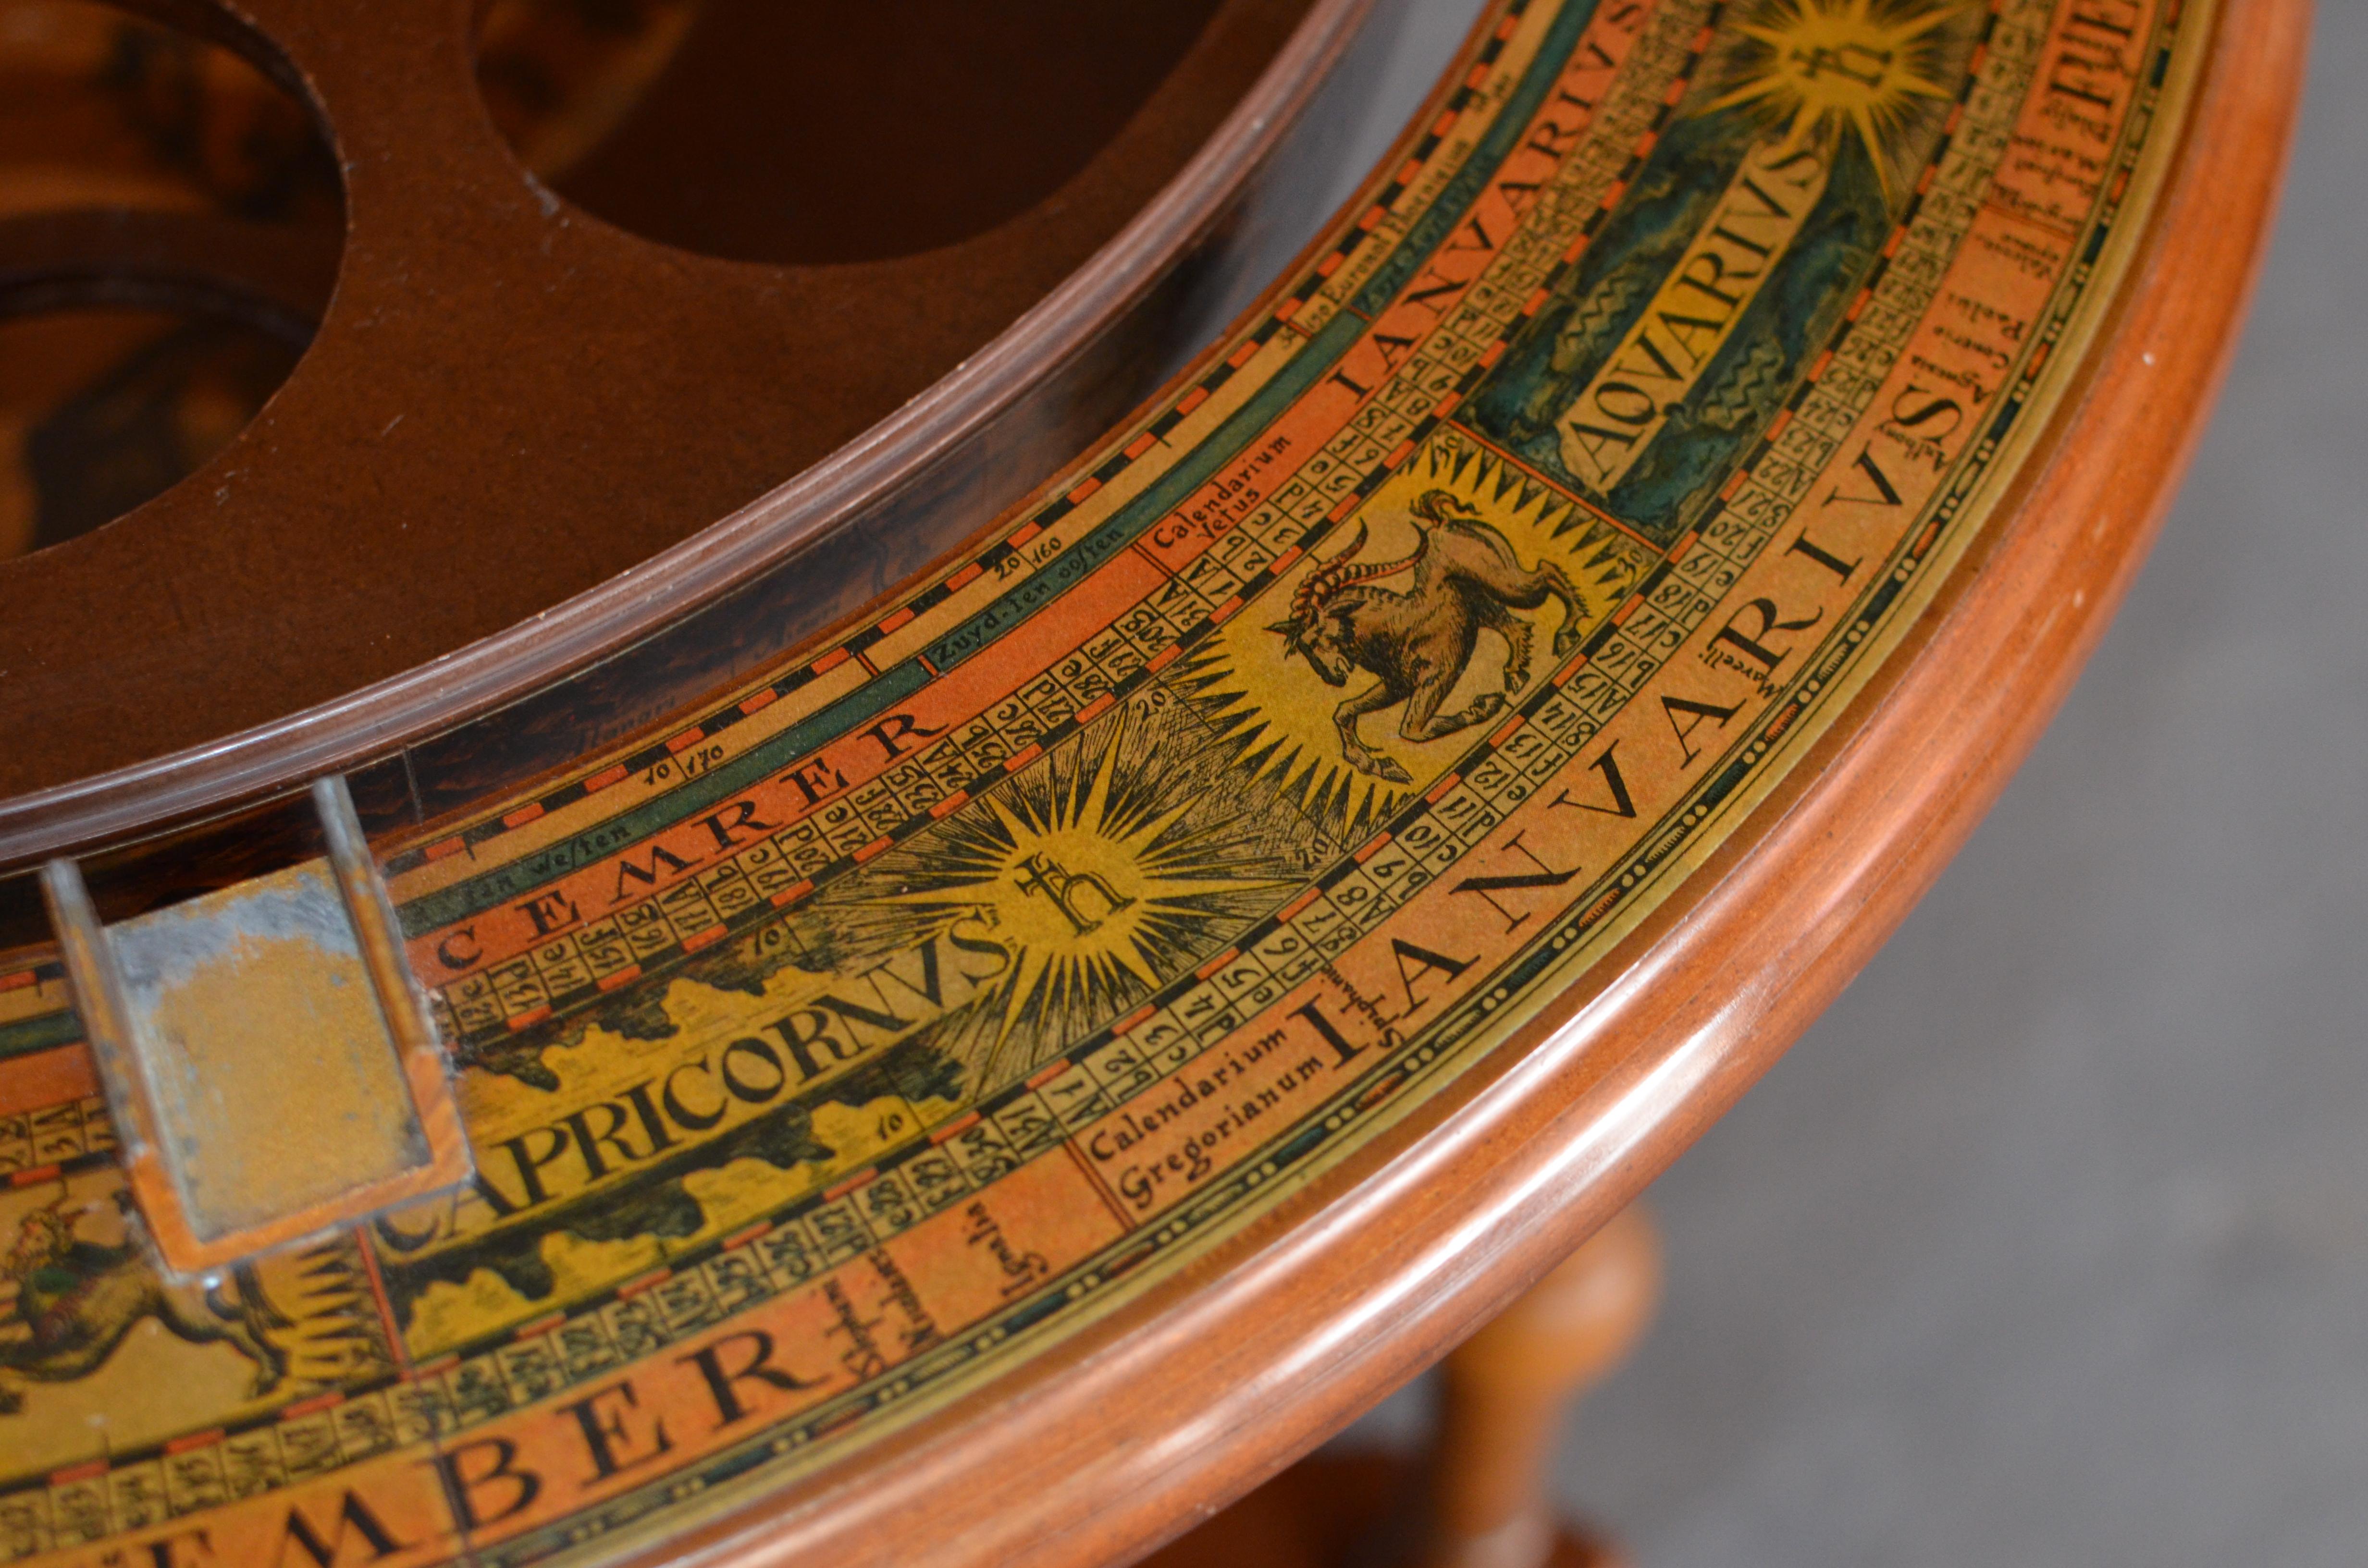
(848, 1041)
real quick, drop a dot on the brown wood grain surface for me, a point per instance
(1213, 1377)
(1212, 1382)
(524, 437)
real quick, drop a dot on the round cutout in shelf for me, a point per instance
(170, 223)
(812, 131)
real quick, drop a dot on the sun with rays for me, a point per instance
(1102, 874)
(1823, 70)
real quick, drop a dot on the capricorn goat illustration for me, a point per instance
(1465, 576)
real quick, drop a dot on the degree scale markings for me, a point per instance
(429, 918)
(1407, 947)
(1306, 368)
(1656, 95)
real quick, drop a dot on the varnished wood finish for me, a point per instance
(911, 397)
(1509, 1388)
(1206, 1374)
(1339, 1510)
(1213, 1379)
(1482, 1498)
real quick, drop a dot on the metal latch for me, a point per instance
(267, 1055)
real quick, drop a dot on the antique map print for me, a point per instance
(885, 1021)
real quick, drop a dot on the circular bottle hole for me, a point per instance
(815, 131)
(170, 220)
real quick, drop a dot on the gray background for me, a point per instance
(2049, 1244)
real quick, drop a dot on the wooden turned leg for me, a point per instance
(1509, 1388)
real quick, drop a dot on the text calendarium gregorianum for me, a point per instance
(853, 1038)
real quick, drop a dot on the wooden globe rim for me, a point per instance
(1212, 1379)
(1208, 1379)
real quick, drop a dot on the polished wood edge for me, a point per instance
(1507, 1393)
(803, 513)
(1211, 1380)
(1482, 1495)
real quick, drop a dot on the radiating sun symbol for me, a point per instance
(1819, 69)
(1094, 881)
